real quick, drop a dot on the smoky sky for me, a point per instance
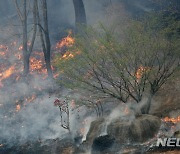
(62, 11)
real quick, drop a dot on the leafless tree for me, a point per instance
(132, 71)
(43, 29)
(27, 50)
(44, 36)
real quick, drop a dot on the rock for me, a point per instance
(141, 129)
(94, 131)
(177, 134)
(102, 143)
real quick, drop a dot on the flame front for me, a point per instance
(11, 64)
(172, 120)
(67, 41)
(7, 73)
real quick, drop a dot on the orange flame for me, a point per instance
(140, 71)
(7, 73)
(37, 64)
(67, 41)
(67, 55)
(172, 120)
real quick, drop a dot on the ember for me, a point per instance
(141, 70)
(18, 108)
(7, 73)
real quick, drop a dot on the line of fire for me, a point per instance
(89, 77)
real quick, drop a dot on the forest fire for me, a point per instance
(37, 63)
(112, 84)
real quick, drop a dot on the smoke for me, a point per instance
(39, 119)
(122, 112)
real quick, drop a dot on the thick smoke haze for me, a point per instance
(62, 17)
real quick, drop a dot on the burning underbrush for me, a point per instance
(27, 113)
(29, 117)
(11, 59)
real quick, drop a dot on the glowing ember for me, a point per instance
(7, 73)
(173, 120)
(18, 108)
(141, 70)
(30, 99)
(37, 64)
(67, 55)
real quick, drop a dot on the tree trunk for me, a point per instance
(23, 17)
(146, 107)
(25, 49)
(26, 64)
(47, 40)
(80, 14)
(48, 66)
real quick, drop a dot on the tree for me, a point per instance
(43, 29)
(23, 18)
(44, 36)
(126, 70)
(80, 14)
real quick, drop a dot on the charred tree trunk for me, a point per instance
(47, 40)
(80, 14)
(146, 107)
(44, 37)
(25, 49)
